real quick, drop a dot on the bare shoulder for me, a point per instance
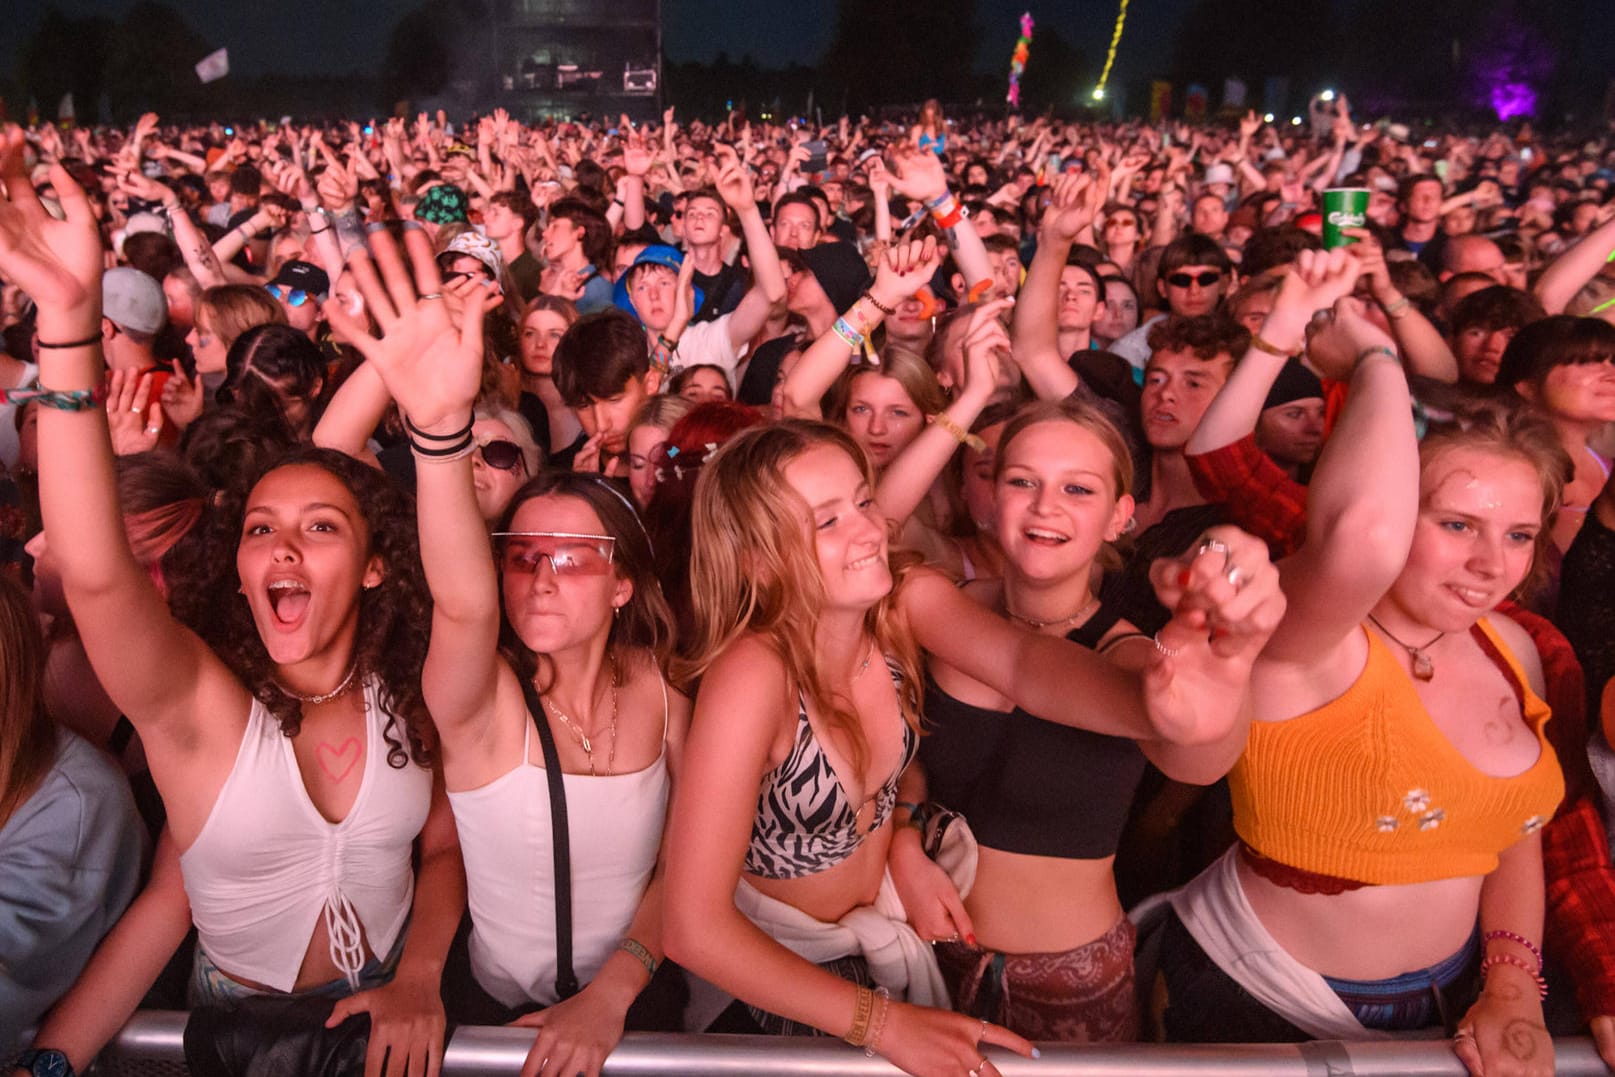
(1522, 646)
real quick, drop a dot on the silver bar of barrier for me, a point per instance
(498, 1052)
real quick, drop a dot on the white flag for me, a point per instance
(64, 109)
(214, 66)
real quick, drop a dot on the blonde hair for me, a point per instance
(754, 568)
(904, 366)
(661, 411)
(1509, 429)
(232, 309)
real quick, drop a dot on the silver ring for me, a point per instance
(135, 408)
(1463, 1034)
(1236, 577)
(431, 295)
(1209, 544)
(1162, 649)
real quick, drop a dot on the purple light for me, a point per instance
(1511, 99)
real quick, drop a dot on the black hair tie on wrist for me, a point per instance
(85, 343)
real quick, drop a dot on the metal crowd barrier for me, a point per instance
(152, 1043)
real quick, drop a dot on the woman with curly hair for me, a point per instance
(548, 650)
(288, 735)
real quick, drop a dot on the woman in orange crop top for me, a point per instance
(808, 652)
(1396, 774)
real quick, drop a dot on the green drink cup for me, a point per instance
(1343, 207)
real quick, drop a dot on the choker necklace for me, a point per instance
(583, 738)
(1423, 667)
(339, 690)
(1063, 622)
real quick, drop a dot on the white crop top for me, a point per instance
(267, 864)
(615, 825)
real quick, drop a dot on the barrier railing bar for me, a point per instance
(498, 1052)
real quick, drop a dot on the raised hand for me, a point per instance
(134, 430)
(58, 263)
(734, 181)
(919, 174)
(986, 349)
(1225, 601)
(1070, 211)
(431, 366)
(906, 268)
(1317, 279)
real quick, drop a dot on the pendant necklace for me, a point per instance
(1423, 667)
(583, 739)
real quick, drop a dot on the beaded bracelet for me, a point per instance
(640, 951)
(1510, 959)
(878, 305)
(1396, 309)
(878, 1025)
(939, 200)
(1512, 937)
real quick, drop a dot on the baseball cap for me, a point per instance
(840, 271)
(304, 276)
(131, 299)
(657, 254)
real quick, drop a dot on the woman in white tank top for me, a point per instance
(582, 620)
(283, 722)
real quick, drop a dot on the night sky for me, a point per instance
(310, 36)
(314, 36)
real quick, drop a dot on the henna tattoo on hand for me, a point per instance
(1522, 1038)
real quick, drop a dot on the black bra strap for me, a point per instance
(566, 979)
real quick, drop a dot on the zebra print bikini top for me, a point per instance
(805, 823)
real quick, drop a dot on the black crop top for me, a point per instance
(1026, 785)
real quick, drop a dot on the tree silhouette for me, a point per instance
(899, 51)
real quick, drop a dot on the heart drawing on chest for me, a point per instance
(338, 762)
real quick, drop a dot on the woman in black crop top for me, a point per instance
(1040, 943)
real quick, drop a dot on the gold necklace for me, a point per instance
(1423, 667)
(1083, 614)
(583, 738)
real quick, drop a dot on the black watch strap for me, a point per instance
(44, 1062)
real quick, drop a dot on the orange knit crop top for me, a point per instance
(1367, 788)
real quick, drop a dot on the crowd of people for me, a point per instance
(444, 562)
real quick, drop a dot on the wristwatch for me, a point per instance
(44, 1063)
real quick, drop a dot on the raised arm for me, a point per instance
(1568, 273)
(432, 367)
(910, 476)
(1363, 500)
(1315, 281)
(1035, 328)
(150, 666)
(768, 279)
(920, 176)
(1424, 350)
(903, 272)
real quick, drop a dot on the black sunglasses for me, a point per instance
(1205, 280)
(501, 454)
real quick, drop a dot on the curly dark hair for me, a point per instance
(394, 617)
